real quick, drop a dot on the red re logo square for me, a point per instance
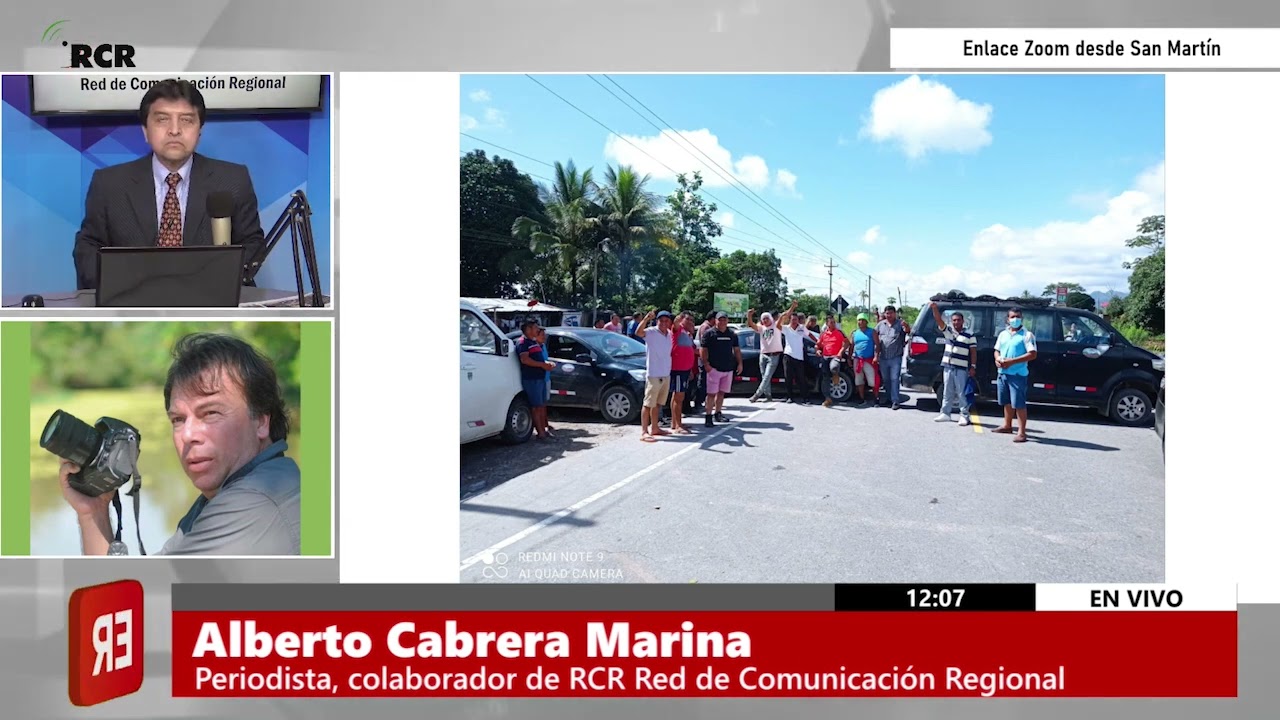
(105, 626)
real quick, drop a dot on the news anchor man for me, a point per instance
(159, 200)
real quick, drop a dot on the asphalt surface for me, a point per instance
(806, 494)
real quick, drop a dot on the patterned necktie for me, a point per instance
(171, 218)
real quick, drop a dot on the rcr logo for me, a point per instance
(105, 55)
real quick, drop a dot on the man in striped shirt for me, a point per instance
(959, 363)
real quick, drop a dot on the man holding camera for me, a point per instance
(229, 427)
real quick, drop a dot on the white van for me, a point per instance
(492, 399)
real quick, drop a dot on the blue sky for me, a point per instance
(983, 183)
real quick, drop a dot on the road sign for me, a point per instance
(839, 305)
(732, 304)
(1062, 295)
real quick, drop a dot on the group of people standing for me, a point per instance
(688, 364)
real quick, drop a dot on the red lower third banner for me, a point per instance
(706, 654)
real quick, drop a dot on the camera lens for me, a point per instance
(69, 437)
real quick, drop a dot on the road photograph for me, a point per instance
(811, 329)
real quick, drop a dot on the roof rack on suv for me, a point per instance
(955, 296)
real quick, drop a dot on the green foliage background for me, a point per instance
(118, 369)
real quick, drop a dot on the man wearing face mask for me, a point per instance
(229, 427)
(770, 353)
(1015, 349)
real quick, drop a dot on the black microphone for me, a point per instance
(220, 205)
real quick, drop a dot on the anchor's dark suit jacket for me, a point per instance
(120, 211)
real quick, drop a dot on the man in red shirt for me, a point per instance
(833, 345)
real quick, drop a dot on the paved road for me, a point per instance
(807, 494)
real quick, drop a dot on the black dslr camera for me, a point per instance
(107, 453)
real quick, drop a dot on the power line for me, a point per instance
(669, 169)
(801, 255)
(778, 214)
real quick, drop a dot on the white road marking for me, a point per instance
(552, 519)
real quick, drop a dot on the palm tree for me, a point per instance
(631, 214)
(866, 299)
(565, 236)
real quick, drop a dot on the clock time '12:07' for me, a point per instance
(940, 599)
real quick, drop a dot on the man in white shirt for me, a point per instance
(658, 344)
(770, 353)
(794, 334)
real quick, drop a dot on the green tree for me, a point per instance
(762, 273)
(1145, 304)
(810, 304)
(694, 224)
(492, 194)
(563, 236)
(630, 213)
(1051, 289)
(1082, 301)
(714, 277)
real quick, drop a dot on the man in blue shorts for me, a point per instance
(1015, 349)
(533, 375)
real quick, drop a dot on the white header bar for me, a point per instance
(1083, 48)
(1136, 598)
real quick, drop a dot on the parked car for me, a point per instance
(1160, 415)
(1081, 359)
(597, 370)
(816, 381)
(492, 400)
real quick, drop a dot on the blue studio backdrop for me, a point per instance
(48, 162)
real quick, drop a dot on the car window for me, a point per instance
(1038, 322)
(970, 320)
(748, 339)
(619, 346)
(565, 348)
(1084, 331)
(475, 336)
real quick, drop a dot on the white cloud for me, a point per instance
(923, 116)
(787, 182)
(654, 154)
(466, 122)
(859, 258)
(726, 219)
(872, 236)
(493, 117)
(480, 96)
(1004, 260)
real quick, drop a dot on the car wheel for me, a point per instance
(519, 425)
(1130, 407)
(619, 406)
(841, 391)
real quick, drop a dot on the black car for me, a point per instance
(815, 381)
(597, 370)
(1160, 414)
(1081, 360)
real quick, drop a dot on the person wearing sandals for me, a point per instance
(683, 361)
(770, 353)
(658, 344)
(1015, 349)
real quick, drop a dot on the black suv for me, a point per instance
(1081, 360)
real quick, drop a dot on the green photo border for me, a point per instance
(316, 337)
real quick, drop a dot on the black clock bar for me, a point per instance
(956, 597)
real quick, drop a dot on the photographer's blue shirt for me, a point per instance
(257, 511)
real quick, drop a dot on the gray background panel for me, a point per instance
(529, 36)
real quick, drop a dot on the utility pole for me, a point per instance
(869, 293)
(901, 303)
(831, 266)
